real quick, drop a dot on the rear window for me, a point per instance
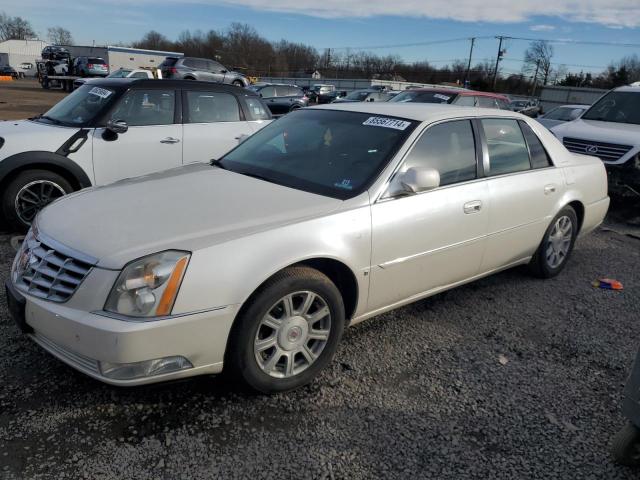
(98, 61)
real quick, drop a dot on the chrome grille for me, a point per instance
(608, 152)
(46, 272)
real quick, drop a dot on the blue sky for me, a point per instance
(358, 23)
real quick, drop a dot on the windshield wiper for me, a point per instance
(52, 120)
(255, 175)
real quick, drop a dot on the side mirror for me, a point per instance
(370, 99)
(117, 126)
(575, 113)
(414, 180)
(223, 71)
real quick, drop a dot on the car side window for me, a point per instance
(211, 107)
(146, 107)
(268, 92)
(539, 156)
(508, 151)
(214, 66)
(466, 101)
(139, 75)
(188, 62)
(256, 109)
(449, 148)
(487, 102)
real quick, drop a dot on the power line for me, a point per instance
(403, 45)
(577, 42)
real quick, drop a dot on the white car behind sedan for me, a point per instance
(325, 218)
(111, 129)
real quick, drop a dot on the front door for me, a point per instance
(435, 238)
(152, 143)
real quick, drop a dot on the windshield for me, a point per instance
(332, 153)
(79, 107)
(617, 107)
(121, 73)
(519, 104)
(561, 113)
(358, 95)
(424, 97)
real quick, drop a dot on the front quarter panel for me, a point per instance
(228, 273)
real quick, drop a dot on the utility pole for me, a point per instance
(535, 78)
(500, 53)
(466, 78)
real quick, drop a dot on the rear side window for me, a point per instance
(268, 92)
(539, 156)
(466, 101)
(256, 109)
(487, 102)
(212, 107)
(449, 148)
(508, 151)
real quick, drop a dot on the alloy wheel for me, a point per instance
(559, 242)
(34, 196)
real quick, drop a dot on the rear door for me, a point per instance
(152, 143)
(213, 124)
(269, 96)
(524, 188)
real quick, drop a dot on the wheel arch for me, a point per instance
(578, 207)
(11, 166)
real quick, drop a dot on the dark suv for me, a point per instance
(281, 98)
(190, 68)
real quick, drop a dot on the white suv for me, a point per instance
(118, 128)
(610, 130)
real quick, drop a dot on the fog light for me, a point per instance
(147, 368)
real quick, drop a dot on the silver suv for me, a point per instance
(190, 68)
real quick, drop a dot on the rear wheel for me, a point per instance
(288, 332)
(625, 448)
(557, 245)
(28, 193)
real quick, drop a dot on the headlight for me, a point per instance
(148, 287)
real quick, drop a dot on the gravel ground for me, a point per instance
(509, 377)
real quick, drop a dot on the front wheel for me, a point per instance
(557, 245)
(625, 448)
(28, 193)
(237, 83)
(288, 332)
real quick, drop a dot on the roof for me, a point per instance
(168, 83)
(628, 88)
(419, 111)
(459, 91)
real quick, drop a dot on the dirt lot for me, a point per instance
(25, 98)
(509, 377)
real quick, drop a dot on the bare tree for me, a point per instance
(537, 60)
(153, 40)
(59, 36)
(15, 28)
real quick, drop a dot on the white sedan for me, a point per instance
(324, 218)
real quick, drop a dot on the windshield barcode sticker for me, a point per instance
(101, 92)
(439, 96)
(387, 123)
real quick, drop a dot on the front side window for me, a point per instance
(448, 148)
(327, 152)
(80, 107)
(211, 107)
(146, 107)
(268, 92)
(508, 151)
(487, 102)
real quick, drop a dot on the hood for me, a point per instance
(186, 208)
(608, 132)
(26, 135)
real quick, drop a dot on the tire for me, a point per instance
(549, 261)
(294, 107)
(625, 447)
(273, 369)
(23, 190)
(189, 78)
(238, 83)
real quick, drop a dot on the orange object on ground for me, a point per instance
(6, 78)
(607, 284)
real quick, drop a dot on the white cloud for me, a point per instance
(611, 13)
(542, 28)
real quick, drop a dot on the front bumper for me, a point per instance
(83, 340)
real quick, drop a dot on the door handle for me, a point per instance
(170, 140)
(548, 189)
(473, 207)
